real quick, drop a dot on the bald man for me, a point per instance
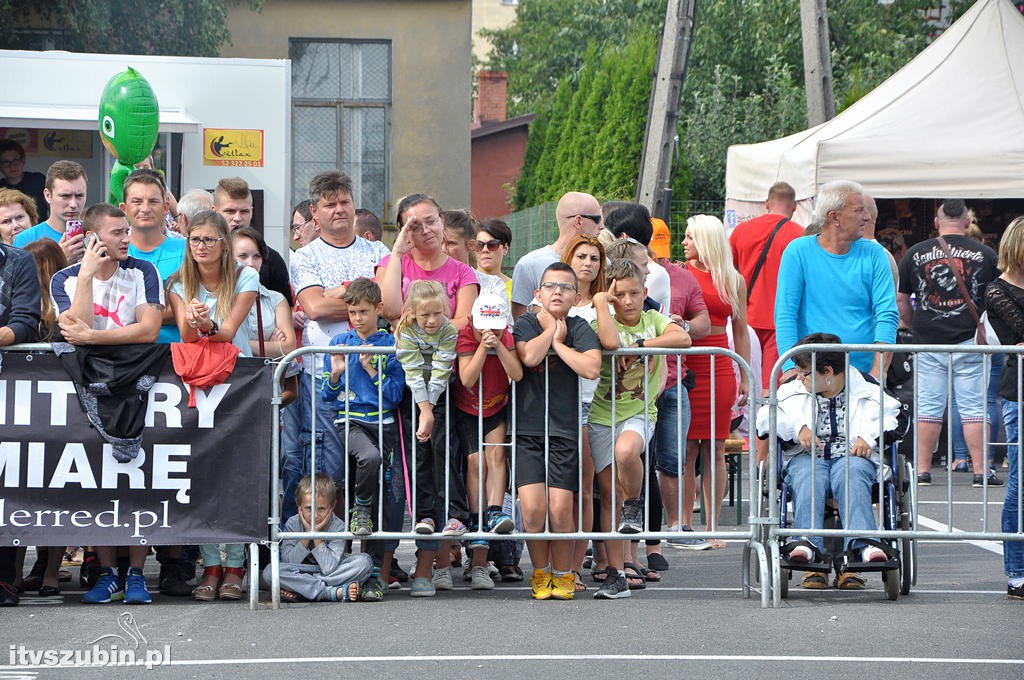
(869, 234)
(576, 213)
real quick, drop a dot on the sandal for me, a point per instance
(291, 596)
(814, 580)
(346, 593)
(599, 575)
(510, 572)
(207, 592)
(578, 579)
(635, 580)
(850, 580)
(648, 575)
(230, 590)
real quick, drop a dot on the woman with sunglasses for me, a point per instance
(461, 242)
(491, 245)
(211, 294)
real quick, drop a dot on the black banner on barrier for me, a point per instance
(202, 475)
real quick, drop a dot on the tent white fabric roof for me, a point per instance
(948, 124)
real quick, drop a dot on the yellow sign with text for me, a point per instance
(237, 148)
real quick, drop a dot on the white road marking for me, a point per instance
(577, 657)
(992, 546)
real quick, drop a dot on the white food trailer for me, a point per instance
(218, 118)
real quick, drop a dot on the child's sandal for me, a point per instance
(207, 592)
(348, 592)
(231, 590)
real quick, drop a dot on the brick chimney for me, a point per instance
(491, 97)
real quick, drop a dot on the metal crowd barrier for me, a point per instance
(749, 535)
(767, 514)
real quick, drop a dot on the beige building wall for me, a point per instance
(490, 14)
(431, 75)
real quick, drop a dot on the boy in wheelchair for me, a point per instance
(812, 416)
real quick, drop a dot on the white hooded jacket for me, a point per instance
(796, 410)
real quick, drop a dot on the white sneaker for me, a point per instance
(873, 554)
(442, 579)
(802, 554)
(481, 579)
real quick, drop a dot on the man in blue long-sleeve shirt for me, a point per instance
(837, 282)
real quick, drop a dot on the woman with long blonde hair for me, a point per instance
(709, 259)
(219, 292)
(211, 296)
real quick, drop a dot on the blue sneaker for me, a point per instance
(135, 588)
(108, 588)
(500, 523)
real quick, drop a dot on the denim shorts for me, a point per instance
(968, 385)
(670, 431)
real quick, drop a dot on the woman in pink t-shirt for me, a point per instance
(419, 254)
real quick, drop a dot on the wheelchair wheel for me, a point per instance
(908, 546)
(907, 557)
(891, 579)
(784, 576)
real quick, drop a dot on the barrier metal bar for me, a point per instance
(775, 533)
(748, 535)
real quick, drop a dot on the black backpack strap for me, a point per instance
(764, 255)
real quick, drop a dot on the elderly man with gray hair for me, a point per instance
(837, 281)
(191, 204)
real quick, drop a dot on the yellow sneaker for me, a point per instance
(541, 583)
(563, 587)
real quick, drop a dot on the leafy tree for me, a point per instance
(166, 27)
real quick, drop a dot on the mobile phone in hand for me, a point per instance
(74, 228)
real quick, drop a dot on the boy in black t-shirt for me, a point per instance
(547, 492)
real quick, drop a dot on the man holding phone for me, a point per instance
(65, 192)
(109, 298)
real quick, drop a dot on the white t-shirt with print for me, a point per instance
(114, 301)
(321, 264)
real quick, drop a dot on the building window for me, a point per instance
(341, 116)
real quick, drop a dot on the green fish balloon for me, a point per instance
(129, 123)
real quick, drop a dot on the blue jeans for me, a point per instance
(296, 436)
(670, 431)
(1013, 551)
(830, 475)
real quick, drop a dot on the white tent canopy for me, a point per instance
(948, 124)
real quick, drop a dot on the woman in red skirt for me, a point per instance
(709, 259)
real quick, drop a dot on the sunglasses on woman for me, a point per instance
(493, 244)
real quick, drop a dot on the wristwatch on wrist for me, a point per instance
(686, 325)
(640, 342)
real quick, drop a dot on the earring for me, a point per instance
(828, 382)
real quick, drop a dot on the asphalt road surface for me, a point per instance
(956, 623)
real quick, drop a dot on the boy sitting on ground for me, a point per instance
(315, 569)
